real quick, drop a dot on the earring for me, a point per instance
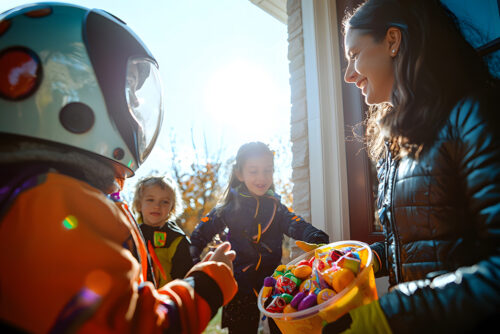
(393, 50)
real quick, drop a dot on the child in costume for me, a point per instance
(81, 108)
(157, 201)
(256, 222)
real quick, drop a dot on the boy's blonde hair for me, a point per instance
(164, 182)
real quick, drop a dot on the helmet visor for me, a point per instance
(144, 100)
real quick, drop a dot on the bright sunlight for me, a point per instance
(243, 97)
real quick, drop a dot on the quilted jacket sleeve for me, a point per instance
(296, 227)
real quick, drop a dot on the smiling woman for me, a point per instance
(246, 101)
(370, 64)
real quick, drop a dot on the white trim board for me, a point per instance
(327, 158)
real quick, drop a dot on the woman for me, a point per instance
(433, 131)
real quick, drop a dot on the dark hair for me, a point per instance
(246, 151)
(435, 67)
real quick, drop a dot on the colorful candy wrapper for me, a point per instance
(308, 285)
(277, 305)
(350, 262)
(267, 291)
(287, 283)
(309, 301)
(269, 281)
(324, 295)
(297, 299)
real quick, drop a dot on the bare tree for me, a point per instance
(199, 185)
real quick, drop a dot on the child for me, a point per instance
(256, 222)
(156, 200)
(72, 259)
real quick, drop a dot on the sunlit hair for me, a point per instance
(434, 68)
(165, 183)
(245, 152)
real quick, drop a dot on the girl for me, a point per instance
(256, 222)
(157, 202)
(433, 129)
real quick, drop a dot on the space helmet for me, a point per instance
(81, 78)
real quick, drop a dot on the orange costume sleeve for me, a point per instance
(64, 268)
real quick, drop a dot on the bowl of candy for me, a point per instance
(319, 287)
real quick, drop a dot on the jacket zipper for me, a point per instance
(397, 248)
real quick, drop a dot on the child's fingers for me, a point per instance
(208, 256)
(225, 246)
(231, 255)
(224, 254)
(221, 249)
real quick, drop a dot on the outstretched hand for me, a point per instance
(222, 253)
(306, 246)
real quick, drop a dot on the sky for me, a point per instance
(224, 70)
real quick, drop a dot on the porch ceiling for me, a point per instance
(276, 8)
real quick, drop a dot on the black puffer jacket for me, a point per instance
(441, 218)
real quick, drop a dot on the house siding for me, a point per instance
(298, 119)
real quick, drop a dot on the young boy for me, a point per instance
(157, 202)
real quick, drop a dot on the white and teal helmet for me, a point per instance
(80, 78)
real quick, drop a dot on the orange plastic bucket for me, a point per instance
(362, 290)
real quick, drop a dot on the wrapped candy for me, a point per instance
(309, 301)
(287, 297)
(267, 291)
(350, 262)
(348, 249)
(302, 271)
(287, 283)
(308, 285)
(281, 268)
(355, 254)
(313, 281)
(320, 253)
(303, 263)
(277, 305)
(268, 288)
(341, 278)
(269, 281)
(306, 262)
(297, 299)
(277, 273)
(324, 295)
(322, 266)
(327, 275)
(333, 256)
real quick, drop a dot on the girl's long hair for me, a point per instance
(246, 151)
(435, 67)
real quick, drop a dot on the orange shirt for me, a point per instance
(62, 253)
